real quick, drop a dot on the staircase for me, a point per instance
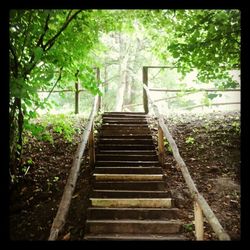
(129, 199)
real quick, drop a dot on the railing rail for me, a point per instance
(88, 135)
(186, 91)
(200, 204)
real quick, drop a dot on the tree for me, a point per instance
(207, 40)
(43, 52)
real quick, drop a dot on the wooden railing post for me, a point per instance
(99, 105)
(160, 145)
(92, 147)
(198, 220)
(145, 81)
(76, 97)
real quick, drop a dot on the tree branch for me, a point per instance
(46, 27)
(16, 63)
(26, 35)
(58, 79)
(51, 41)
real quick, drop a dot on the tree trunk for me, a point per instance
(123, 61)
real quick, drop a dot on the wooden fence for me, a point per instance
(200, 204)
(188, 91)
(77, 91)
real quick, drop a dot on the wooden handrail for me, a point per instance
(62, 211)
(197, 197)
(192, 90)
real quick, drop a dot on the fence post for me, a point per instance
(99, 105)
(76, 97)
(92, 147)
(160, 145)
(145, 81)
(198, 220)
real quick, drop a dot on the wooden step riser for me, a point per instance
(105, 118)
(127, 170)
(109, 157)
(125, 147)
(130, 185)
(131, 202)
(132, 213)
(131, 133)
(126, 152)
(122, 137)
(124, 113)
(127, 121)
(123, 141)
(135, 237)
(126, 131)
(127, 177)
(124, 126)
(127, 194)
(136, 227)
(126, 163)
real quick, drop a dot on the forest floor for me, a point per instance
(208, 143)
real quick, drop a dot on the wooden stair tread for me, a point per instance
(137, 237)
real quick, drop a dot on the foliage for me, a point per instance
(208, 40)
(190, 140)
(236, 126)
(48, 49)
(44, 128)
(166, 144)
(189, 227)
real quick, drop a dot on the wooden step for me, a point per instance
(134, 237)
(112, 146)
(130, 185)
(137, 130)
(122, 157)
(129, 194)
(128, 170)
(128, 177)
(129, 152)
(125, 121)
(131, 202)
(124, 118)
(126, 135)
(133, 226)
(100, 213)
(123, 141)
(124, 126)
(119, 163)
(122, 137)
(124, 113)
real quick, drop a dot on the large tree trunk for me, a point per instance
(15, 136)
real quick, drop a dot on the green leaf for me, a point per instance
(38, 52)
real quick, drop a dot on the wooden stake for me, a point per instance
(160, 145)
(76, 98)
(145, 81)
(198, 219)
(91, 147)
